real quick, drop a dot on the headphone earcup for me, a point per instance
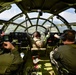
(63, 36)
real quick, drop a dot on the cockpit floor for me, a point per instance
(43, 67)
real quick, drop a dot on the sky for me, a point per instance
(70, 15)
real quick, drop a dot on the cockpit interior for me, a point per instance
(20, 18)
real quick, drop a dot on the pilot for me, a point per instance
(9, 61)
(64, 56)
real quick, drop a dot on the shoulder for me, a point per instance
(63, 49)
(36, 40)
(63, 46)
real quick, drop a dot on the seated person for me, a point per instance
(64, 56)
(9, 60)
(37, 42)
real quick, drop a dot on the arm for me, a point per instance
(46, 37)
(9, 61)
(54, 56)
(14, 51)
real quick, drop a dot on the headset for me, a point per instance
(63, 37)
